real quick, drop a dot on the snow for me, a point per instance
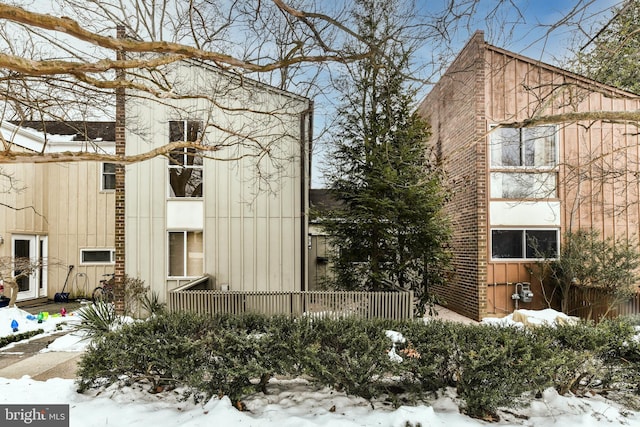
(531, 317)
(29, 322)
(293, 402)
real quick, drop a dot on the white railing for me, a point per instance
(385, 305)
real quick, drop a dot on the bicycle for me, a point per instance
(104, 292)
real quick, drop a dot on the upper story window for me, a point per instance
(524, 147)
(108, 181)
(185, 164)
(522, 163)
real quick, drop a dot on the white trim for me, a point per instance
(522, 168)
(36, 141)
(112, 255)
(102, 175)
(524, 213)
(524, 243)
(185, 255)
(34, 255)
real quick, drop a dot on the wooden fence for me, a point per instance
(334, 304)
(595, 304)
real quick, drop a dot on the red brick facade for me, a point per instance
(120, 193)
(455, 109)
(487, 86)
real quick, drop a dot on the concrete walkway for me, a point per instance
(446, 314)
(28, 359)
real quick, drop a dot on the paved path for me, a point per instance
(27, 358)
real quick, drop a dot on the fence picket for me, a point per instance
(387, 305)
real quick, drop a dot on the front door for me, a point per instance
(30, 255)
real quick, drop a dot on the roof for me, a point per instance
(76, 130)
(322, 200)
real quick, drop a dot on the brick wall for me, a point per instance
(455, 111)
(120, 193)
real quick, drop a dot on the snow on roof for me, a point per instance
(70, 137)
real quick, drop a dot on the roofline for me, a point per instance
(479, 34)
(241, 79)
(34, 141)
(560, 70)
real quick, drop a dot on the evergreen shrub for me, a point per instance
(490, 367)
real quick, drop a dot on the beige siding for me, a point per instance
(253, 229)
(518, 89)
(81, 217)
(67, 208)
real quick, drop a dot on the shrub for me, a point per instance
(349, 354)
(150, 303)
(97, 319)
(5, 341)
(491, 367)
(435, 343)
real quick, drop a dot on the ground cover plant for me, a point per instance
(491, 367)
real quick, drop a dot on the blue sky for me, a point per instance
(527, 27)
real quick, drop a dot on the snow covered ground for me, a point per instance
(290, 402)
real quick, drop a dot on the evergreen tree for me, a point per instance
(389, 230)
(613, 54)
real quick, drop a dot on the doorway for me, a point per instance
(30, 252)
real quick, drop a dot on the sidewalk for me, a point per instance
(27, 359)
(450, 315)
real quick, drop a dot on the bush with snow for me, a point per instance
(491, 367)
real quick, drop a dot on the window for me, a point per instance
(97, 256)
(523, 185)
(108, 181)
(186, 254)
(525, 147)
(524, 244)
(185, 164)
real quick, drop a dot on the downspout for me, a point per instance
(306, 138)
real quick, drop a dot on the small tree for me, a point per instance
(587, 261)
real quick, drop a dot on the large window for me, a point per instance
(524, 244)
(186, 254)
(524, 147)
(185, 164)
(522, 161)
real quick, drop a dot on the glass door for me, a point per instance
(29, 255)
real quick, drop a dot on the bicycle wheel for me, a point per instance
(108, 294)
(98, 296)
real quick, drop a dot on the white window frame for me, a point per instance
(185, 254)
(103, 174)
(112, 256)
(185, 152)
(556, 152)
(523, 230)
